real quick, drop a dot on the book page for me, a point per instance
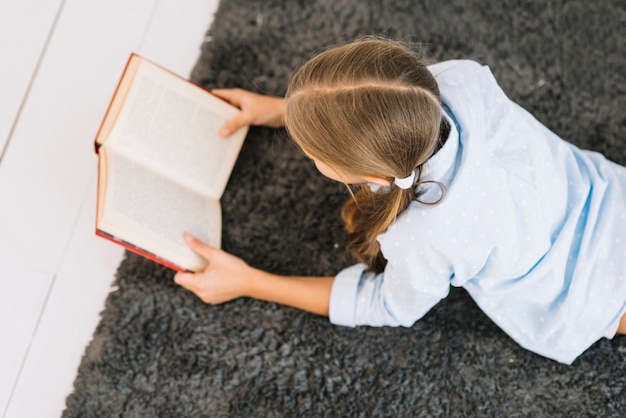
(152, 212)
(172, 124)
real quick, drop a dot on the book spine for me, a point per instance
(141, 251)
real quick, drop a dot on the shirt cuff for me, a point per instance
(342, 305)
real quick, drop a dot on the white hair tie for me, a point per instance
(408, 181)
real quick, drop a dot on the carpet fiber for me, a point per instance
(160, 352)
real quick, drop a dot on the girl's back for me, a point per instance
(530, 225)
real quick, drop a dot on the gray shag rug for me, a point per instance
(160, 352)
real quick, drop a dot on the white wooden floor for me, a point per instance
(61, 60)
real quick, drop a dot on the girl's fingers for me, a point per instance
(234, 97)
(184, 279)
(199, 247)
(230, 95)
(233, 124)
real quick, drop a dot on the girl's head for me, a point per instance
(366, 111)
(368, 108)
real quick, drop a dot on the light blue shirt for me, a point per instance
(531, 226)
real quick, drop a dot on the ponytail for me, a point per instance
(368, 214)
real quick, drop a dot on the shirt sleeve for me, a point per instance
(343, 295)
(360, 297)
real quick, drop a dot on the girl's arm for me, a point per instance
(256, 109)
(228, 277)
(310, 294)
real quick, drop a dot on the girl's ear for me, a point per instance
(377, 180)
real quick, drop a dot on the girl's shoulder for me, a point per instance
(466, 85)
(455, 72)
(455, 65)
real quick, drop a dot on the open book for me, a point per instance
(162, 168)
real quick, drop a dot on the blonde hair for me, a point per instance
(367, 108)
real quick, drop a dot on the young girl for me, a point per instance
(461, 187)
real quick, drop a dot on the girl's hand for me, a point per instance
(228, 277)
(256, 109)
(225, 278)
